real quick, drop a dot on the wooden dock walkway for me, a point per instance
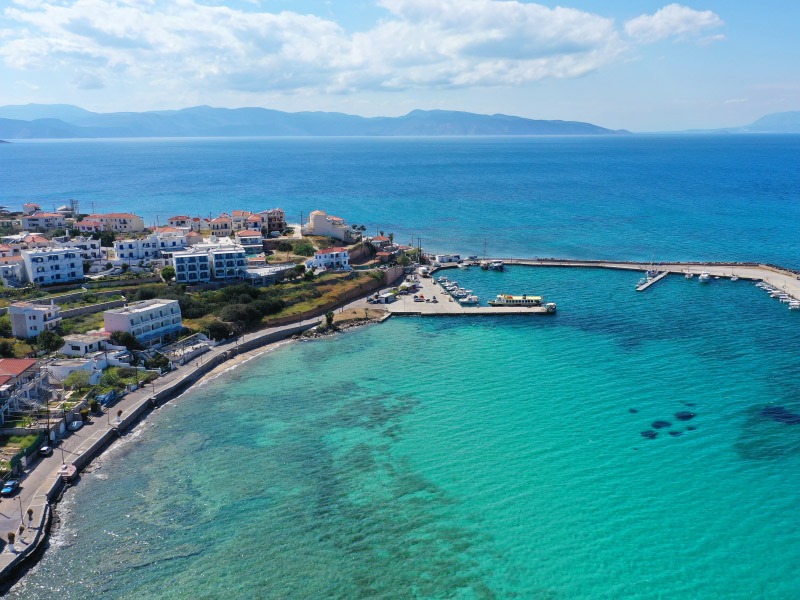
(643, 286)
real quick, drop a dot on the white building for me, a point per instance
(320, 223)
(333, 259)
(52, 265)
(29, 320)
(149, 321)
(43, 220)
(227, 262)
(167, 239)
(121, 222)
(250, 240)
(191, 266)
(89, 248)
(81, 344)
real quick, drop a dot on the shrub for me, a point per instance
(304, 249)
(77, 380)
(217, 330)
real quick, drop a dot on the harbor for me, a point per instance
(447, 305)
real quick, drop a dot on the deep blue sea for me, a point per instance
(628, 197)
(471, 458)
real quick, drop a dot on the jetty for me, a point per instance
(778, 277)
(653, 280)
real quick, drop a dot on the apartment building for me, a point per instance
(45, 266)
(151, 322)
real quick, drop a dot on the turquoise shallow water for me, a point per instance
(467, 458)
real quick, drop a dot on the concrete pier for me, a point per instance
(449, 306)
(643, 286)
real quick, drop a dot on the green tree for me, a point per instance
(6, 349)
(285, 247)
(124, 267)
(217, 330)
(298, 269)
(77, 380)
(5, 326)
(168, 273)
(304, 249)
(329, 319)
(86, 266)
(123, 338)
(49, 341)
(404, 261)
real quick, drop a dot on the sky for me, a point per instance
(625, 64)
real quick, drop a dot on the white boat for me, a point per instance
(705, 277)
(464, 266)
(509, 300)
(689, 275)
(551, 307)
(734, 277)
(469, 300)
(794, 305)
(497, 265)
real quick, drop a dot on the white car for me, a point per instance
(75, 425)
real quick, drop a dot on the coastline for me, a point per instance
(216, 362)
(136, 406)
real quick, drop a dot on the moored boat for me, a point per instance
(497, 265)
(509, 300)
(705, 277)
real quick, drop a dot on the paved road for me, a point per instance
(38, 477)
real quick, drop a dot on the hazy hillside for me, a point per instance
(64, 121)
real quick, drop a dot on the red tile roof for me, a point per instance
(331, 250)
(246, 233)
(179, 218)
(380, 238)
(14, 367)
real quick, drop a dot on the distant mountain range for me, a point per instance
(784, 122)
(65, 121)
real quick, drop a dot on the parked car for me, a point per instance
(9, 488)
(75, 425)
(45, 450)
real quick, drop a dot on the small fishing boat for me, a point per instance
(497, 265)
(734, 277)
(705, 277)
(689, 275)
(469, 300)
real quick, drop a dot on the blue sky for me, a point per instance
(642, 65)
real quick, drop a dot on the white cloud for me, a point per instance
(673, 21)
(177, 45)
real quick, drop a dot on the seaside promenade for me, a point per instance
(40, 482)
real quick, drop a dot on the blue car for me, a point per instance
(9, 487)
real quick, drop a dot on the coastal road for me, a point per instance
(38, 478)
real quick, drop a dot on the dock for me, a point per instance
(449, 306)
(643, 286)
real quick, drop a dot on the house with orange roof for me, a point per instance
(251, 241)
(89, 226)
(222, 225)
(21, 385)
(330, 259)
(275, 219)
(121, 222)
(30, 207)
(43, 221)
(323, 224)
(180, 221)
